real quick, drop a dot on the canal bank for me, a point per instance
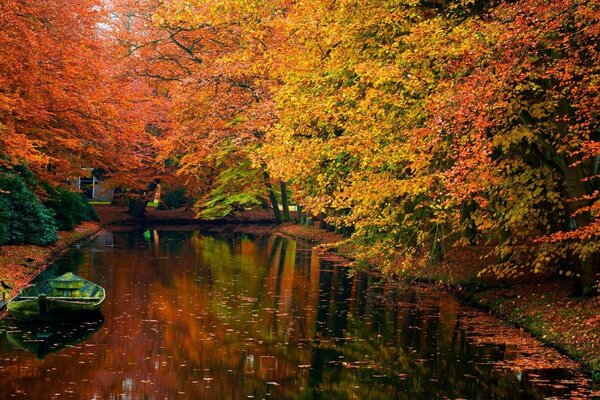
(543, 308)
(19, 265)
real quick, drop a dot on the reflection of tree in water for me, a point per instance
(70, 262)
(166, 245)
(170, 242)
(405, 352)
(359, 345)
(53, 336)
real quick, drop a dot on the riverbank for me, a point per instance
(19, 265)
(542, 305)
(192, 299)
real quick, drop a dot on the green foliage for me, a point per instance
(221, 204)
(172, 199)
(239, 186)
(69, 208)
(23, 217)
(4, 216)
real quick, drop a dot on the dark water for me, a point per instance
(236, 316)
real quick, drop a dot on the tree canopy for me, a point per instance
(411, 125)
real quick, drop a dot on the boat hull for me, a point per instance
(44, 338)
(67, 296)
(32, 309)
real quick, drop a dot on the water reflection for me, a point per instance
(51, 336)
(232, 316)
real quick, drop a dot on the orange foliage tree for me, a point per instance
(414, 125)
(522, 112)
(213, 61)
(65, 102)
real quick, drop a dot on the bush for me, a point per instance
(4, 216)
(238, 186)
(23, 217)
(172, 199)
(70, 208)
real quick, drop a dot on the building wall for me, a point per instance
(102, 191)
(92, 188)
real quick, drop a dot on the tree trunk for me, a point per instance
(264, 204)
(137, 207)
(322, 223)
(308, 219)
(588, 269)
(273, 198)
(299, 214)
(502, 236)
(117, 199)
(469, 227)
(438, 248)
(576, 189)
(284, 202)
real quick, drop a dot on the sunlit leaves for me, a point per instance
(404, 122)
(398, 114)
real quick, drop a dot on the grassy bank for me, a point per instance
(20, 264)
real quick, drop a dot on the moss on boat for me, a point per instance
(57, 297)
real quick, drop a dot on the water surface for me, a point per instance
(237, 316)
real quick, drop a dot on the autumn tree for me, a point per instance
(214, 61)
(415, 125)
(356, 77)
(411, 122)
(65, 102)
(522, 113)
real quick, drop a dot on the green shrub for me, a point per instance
(4, 216)
(238, 186)
(70, 208)
(23, 217)
(172, 199)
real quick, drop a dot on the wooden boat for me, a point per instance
(64, 296)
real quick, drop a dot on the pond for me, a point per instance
(243, 316)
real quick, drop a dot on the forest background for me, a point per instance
(410, 127)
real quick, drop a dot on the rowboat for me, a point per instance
(64, 296)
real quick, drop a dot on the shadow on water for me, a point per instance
(237, 316)
(48, 337)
